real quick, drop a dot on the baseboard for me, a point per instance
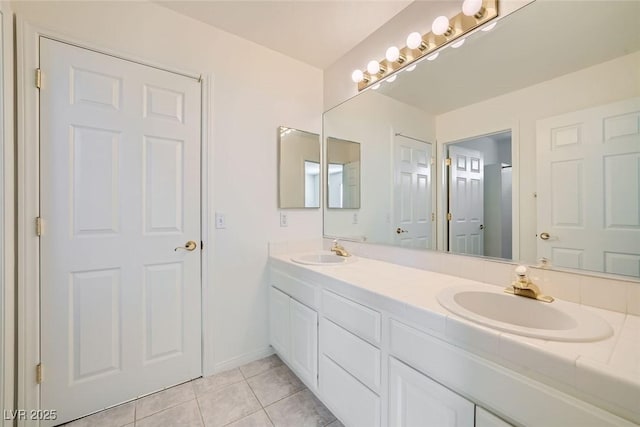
(241, 360)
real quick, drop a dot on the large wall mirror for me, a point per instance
(523, 143)
(298, 169)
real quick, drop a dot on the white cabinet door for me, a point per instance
(416, 400)
(279, 326)
(485, 418)
(304, 342)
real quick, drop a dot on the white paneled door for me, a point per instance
(120, 190)
(589, 188)
(413, 227)
(466, 201)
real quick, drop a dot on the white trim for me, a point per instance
(27, 60)
(7, 229)
(243, 359)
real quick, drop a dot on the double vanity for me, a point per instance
(374, 341)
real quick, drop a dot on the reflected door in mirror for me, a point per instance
(589, 188)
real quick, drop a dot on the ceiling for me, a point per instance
(544, 40)
(316, 32)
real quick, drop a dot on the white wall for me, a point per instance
(372, 119)
(254, 91)
(603, 83)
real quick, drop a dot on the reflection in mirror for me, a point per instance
(343, 174)
(570, 97)
(298, 169)
(479, 196)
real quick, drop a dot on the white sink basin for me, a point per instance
(322, 258)
(556, 321)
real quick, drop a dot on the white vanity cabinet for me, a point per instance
(294, 335)
(415, 399)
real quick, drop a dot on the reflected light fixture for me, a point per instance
(392, 78)
(376, 86)
(411, 68)
(433, 57)
(458, 44)
(441, 27)
(489, 27)
(473, 8)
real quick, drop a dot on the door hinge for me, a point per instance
(201, 245)
(447, 161)
(449, 216)
(433, 216)
(39, 373)
(38, 226)
(38, 78)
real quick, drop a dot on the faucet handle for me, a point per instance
(521, 271)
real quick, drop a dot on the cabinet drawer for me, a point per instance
(352, 316)
(358, 357)
(301, 291)
(353, 403)
(415, 399)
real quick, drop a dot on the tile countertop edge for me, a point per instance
(615, 390)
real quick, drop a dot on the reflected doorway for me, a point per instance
(480, 195)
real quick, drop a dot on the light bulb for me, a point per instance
(411, 68)
(414, 40)
(458, 43)
(392, 78)
(393, 53)
(433, 57)
(357, 76)
(440, 26)
(373, 67)
(489, 27)
(376, 86)
(472, 8)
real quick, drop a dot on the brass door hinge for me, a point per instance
(433, 216)
(39, 373)
(447, 161)
(38, 78)
(38, 226)
(449, 216)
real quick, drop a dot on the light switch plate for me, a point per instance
(221, 220)
(284, 219)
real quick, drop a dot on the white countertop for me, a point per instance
(605, 373)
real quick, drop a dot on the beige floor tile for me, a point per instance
(302, 409)
(213, 382)
(225, 405)
(164, 399)
(184, 415)
(117, 416)
(257, 419)
(260, 366)
(275, 384)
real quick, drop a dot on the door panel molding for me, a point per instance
(28, 208)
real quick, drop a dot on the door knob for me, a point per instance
(545, 236)
(189, 246)
(400, 230)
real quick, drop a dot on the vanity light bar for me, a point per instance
(457, 27)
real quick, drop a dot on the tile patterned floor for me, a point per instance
(264, 393)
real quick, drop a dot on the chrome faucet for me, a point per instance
(339, 250)
(526, 288)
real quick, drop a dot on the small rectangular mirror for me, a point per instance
(343, 174)
(298, 169)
